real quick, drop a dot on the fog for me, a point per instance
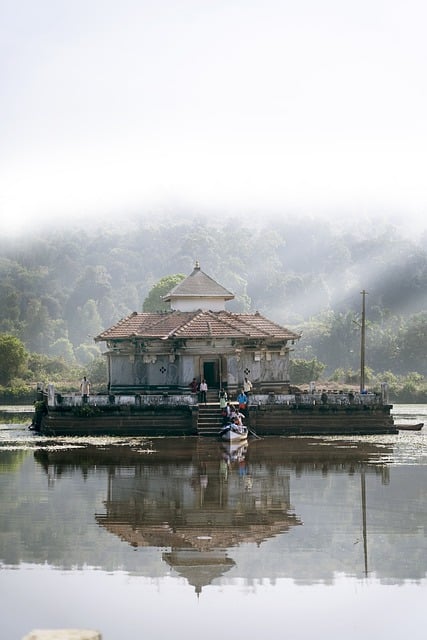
(252, 110)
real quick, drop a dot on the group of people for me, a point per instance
(229, 411)
(201, 388)
(232, 413)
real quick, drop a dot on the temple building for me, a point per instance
(198, 338)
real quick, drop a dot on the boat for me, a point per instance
(410, 427)
(234, 433)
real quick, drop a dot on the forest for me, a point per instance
(60, 288)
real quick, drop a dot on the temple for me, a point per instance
(198, 338)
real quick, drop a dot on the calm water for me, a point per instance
(170, 538)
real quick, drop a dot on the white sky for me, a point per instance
(285, 105)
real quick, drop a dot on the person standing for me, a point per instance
(242, 399)
(85, 389)
(203, 391)
(223, 403)
(247, 386)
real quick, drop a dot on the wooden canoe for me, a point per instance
(410, 427)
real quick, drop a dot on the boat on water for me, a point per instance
(410, 427)
(234, 433)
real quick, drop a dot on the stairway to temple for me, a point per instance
(210, 419)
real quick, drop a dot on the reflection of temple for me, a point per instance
(198, 510)
(199, 568)
(214, 503)
(195, 500)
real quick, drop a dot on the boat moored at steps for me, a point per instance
(234, 433)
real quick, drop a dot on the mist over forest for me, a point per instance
(61, 287)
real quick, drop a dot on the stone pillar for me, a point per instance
(51, 395)
(384, 392)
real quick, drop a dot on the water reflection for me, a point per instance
(144, 525)
(198, 510)
(301, 508)
(304, 508)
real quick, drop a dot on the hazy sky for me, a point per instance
(285, 105)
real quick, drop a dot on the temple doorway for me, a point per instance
(211, 373)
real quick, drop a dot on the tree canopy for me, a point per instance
(58, 291)
(13, 358)
(154, 301)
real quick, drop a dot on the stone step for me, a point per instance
(203, 430)
(209, 425)
(210, 417)
(210, 420)
(209, 411)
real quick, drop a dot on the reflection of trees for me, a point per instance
(198, 503)
(12, 460)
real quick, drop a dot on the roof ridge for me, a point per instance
(271, 322)
(118, 323)
(197, 324)
(158, 317)
(184, 324)
(199, 285)
(215, 315)
(239, 318)
(233, 325)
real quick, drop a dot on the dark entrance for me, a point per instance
(211, 374)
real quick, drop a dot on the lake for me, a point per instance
(299, 537)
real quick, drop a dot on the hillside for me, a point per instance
(60, 289)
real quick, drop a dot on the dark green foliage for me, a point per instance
(42, 366)
(86, 411)
(304, 371)
(58, 291)
(97, 374)
(13, 358)
(154, 301)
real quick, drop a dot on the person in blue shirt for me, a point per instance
(242, 399)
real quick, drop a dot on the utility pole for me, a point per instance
(362, 343)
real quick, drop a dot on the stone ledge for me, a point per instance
(63, 634)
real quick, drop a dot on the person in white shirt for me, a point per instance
(85, 388)
(203, 391)
(247, 386)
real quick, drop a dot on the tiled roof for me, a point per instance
(196, 324)
(199, 285)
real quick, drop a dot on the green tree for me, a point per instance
(38, 332)
(154, 301)
(44, 368)
(97, 372)
(414, 343)
(62, 348)
(13, 358)
(86, 353)
(303, 371)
